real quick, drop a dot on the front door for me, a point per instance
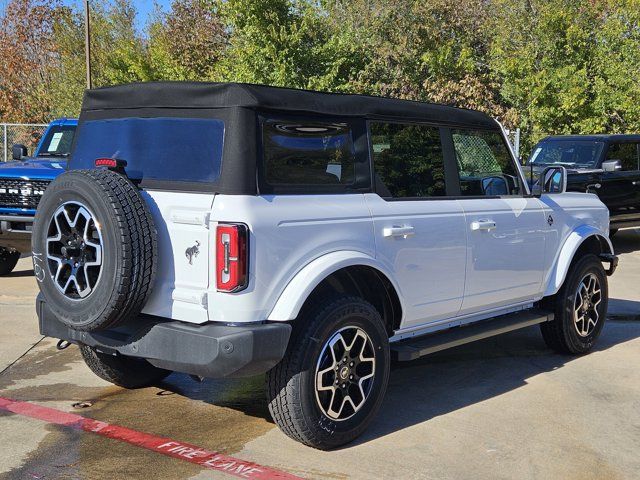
(504, 227)
(419, 232)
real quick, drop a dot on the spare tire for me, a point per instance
(94, 249)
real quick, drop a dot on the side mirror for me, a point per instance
(19, 151)
(554, 180)
(612, 165)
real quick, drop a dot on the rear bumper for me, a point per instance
(208, 350)
(15, 232)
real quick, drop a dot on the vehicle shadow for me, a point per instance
(621, 309)
(19, 273)
(423, 389)
(626, 241)
(457, 378)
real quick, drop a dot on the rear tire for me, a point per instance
(8, 260)
(126, 372)
(307, 404)
(94, 243)
(580, 311)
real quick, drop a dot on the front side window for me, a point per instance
(308, 153)
(485, 165)
(408, 160)
(627, 153)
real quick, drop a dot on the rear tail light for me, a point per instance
(232, 254)
(106, 162)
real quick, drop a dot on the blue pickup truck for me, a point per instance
(22, 183)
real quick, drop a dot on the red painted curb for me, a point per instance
(165, 446)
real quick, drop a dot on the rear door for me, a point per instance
(419, 231)
(505, 228)
(620, 190)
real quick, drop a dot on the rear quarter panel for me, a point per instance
(287, 232)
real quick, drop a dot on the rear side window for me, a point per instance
(485, 165)
(308, 153)
(627, 153)
(165, 149)
(408, 160)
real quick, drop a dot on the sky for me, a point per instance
(144, 8)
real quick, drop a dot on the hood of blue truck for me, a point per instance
(33, 168)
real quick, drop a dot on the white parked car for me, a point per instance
(229, 230)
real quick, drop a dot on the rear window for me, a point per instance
(298, 153)
(166, 149)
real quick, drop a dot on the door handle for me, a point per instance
(483, 225)
(397, 231)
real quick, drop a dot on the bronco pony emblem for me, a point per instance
(192, 252)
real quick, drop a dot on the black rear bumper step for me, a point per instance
(415, 348)
(209, 350)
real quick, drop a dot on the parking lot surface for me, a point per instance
(506, 407)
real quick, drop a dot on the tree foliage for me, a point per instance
(26, 36)
(547, 66)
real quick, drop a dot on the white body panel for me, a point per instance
(505, 252)
(428, 264)
(446, 263)
(288, 232)
(577, 216)
(181, 221)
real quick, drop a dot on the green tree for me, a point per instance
(118, 53)
(26, 54)
(569, 66)
(187, 42)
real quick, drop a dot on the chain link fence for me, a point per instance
(27, 134)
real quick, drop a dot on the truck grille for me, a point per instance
(18, 193)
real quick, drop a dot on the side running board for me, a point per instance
(414, 348)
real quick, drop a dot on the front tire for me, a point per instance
(8, 260)
(580, 308)
(332, 380)
(126, 372)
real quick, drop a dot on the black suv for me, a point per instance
(608, 165)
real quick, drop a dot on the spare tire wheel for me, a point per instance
(94, 249)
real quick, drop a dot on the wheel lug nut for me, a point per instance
(351, 364)
(344, 385)
(350, 377)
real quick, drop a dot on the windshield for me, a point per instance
(57, 142)
(571, 153)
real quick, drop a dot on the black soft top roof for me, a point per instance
(198, 95)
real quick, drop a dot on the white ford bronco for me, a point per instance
(226, 230)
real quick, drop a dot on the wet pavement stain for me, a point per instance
(39, 363)
(220, 415)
